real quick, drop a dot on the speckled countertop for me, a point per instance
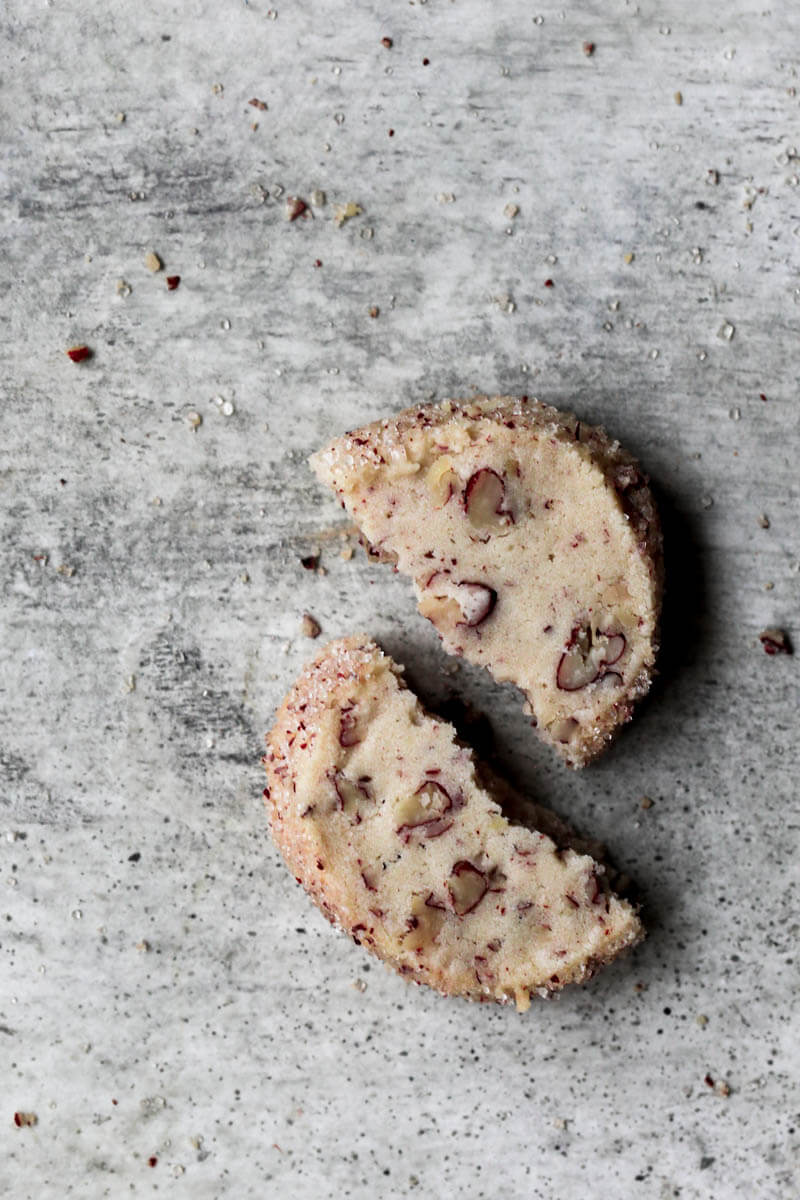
(173, 1011)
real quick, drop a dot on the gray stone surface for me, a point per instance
(167, 991)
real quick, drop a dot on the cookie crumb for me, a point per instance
(345, 212)
(152, 261)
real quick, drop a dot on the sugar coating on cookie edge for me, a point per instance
(378, 810)
(534, 546)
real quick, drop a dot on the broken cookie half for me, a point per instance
(381, 816)
(534, 546)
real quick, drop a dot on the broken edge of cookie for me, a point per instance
(380, 813)
(534, 545)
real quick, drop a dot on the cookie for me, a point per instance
(384, 818)
(534, 546)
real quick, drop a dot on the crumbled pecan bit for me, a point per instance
(173, 281)
(309, 627)
(21, 1119)
(374, 311)
(295, 207)
(646, 802)
(259, 104)
(79, 353)
(775, 641)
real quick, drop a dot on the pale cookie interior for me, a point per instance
(533, 545)
(379, 812)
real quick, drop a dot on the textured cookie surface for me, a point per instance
(379, 812)
(533, 544)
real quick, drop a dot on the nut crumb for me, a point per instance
(763, 521)
(387, 43)
(374, 311)
(775, 641)
(588, 49)
(22, 1119)
(722, 1088)
(628, 258)
(143, 946)
(309, 627)
(359, 985)
(346, 553)
(123, 288)
(152, 261)
(678, 98)
(318, 198)
(510, 211)
(217, 88)
(702, 1020)
(295, 207)
(63, 569)
(259, 104)
(646, 802)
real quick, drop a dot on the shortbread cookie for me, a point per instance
(379, 812)
(534, 547)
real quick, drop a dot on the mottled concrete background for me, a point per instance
(172, 1010)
